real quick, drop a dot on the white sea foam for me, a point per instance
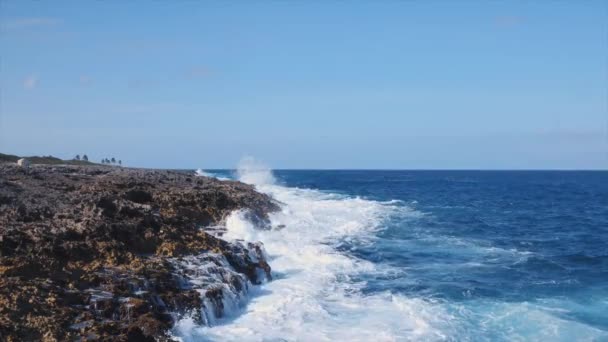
(312, 296)
(203, 173)
(253, 171)
(315, 297)
(484, 320)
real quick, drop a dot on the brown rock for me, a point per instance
(83, 249)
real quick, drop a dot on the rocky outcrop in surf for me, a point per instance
(104, 253)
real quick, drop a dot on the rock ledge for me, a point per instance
(105, 253)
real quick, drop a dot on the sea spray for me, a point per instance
(253, 171)
(222, 289)
(314, 295)
(439, 256)
(202, 173)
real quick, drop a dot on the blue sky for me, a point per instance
(308, 84)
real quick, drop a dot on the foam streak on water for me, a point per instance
(312, 297)
(318, 292)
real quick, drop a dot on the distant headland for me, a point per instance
(51, 160)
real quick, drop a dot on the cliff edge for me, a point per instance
(106, 253)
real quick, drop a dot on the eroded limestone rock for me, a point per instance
(103, 253)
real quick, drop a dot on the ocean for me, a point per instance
(425, 256)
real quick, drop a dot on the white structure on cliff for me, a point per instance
(24, 163)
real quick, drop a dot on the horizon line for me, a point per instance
(395, 169)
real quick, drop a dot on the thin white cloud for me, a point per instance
(30, 82)
(509, 21)
(198, 72)
(147, 108)
(32, 22)
(137, 109)
(582, 135)
(85, 80)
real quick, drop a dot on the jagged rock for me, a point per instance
(91, 252)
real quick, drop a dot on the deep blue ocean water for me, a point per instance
(554, 222)
(508, 255)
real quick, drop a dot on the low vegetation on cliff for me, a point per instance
(47, 160)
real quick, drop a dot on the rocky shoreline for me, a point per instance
(118, 254)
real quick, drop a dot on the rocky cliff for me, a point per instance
(103, 253)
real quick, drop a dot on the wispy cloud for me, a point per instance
(30, 82)
(136, 109)
(30, 22)
(572, 135)
(508, 21)
(139, 83)
(85, 80)
(197, 72)
(146, 108)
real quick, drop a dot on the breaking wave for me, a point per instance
(319, 290)
(312, 296)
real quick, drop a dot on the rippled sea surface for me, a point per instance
(432, 255)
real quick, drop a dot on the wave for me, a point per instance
(318, 293)
(313, 296)
(253, 171)
(203, 173)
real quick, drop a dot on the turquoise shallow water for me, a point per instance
(505, 255)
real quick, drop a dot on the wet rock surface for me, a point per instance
(105, 253)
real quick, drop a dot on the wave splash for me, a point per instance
(255, 172)
(203, 173)
(313, 295)
(319, 292)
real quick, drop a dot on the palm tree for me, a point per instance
(113, 160)
(85, 158)
(77, 157)
(120, 162)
